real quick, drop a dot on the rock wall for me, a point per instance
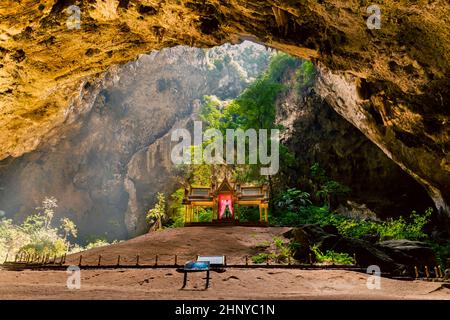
(107, 163)
(314, 132)
(391, 83)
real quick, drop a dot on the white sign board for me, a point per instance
(213, 260)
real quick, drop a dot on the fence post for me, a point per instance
(440, 272)
(289, 260)
(99, 260)
(81, 258)
(65, 254)
(6, 259)
(427, 272)
(310, 259)
(436, 273)
(137, 260)
(416, 271)
(246, 260)
(225, 260)
(118, 260)
(176, 260)
(156, 260)
(354, 259)
(267, 260)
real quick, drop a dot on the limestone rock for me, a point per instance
(391, 83)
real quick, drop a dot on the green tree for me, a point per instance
(69, 228)
(158, 212)
(327, 188)
(49, 204)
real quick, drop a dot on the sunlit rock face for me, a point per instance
(107, 164)
(392, 83)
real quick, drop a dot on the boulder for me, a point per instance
(395, 256)
(409, 253)
(308, 236)
(367, 254)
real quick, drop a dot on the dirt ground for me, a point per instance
(234, 283)
(233, 242)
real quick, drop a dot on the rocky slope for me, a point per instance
(107, 163)
(391, 83)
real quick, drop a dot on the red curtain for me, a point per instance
(225, 200)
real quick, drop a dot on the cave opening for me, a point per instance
(109, 165)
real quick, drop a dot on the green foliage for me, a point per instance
(177, 209)
(93, 241)
(96, 244)
(294, 199)
(263, 245)
(328, 188)
(36, 235)
(442, 251)
(45, 246)
(306, 74)
(332, 257)
(261, 258)
(248, 214)
(282, 250)
(279, 64)
(205, 214)
(401, 229)
(279, 253)
(69, 228)
(158, 212)
(253, 109)
(297, 209)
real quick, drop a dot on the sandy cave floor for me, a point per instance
(232, 284)
(234, 242)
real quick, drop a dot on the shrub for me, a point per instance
(248, 214)
(158, 212)
(260, 258)
(331, 256)
(294, 199)
(280, 252)
(36, 235)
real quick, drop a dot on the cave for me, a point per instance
(90, 92)
(107, 165)
(41, 77)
